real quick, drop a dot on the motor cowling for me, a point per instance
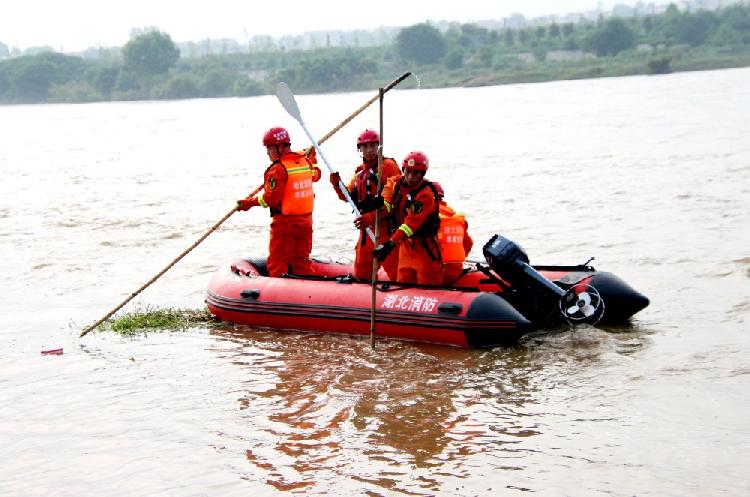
(508, 260)
(534, 293)
(504, 256)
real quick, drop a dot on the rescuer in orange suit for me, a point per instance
(363, 189)
(454, 239)
(412, 203)
(288, 194)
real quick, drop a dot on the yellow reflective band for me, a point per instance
(406, 230)
(262, 202)
(388, 206)
(297, 170)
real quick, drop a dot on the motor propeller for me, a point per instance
(582, 303)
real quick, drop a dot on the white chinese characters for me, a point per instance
(418, 303)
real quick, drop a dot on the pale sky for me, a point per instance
(72, 25)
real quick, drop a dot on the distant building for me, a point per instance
(568, 55)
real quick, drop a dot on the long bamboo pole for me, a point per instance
(160, 273)
(374, 279)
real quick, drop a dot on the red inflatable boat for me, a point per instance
(481, 309)
(332, 301)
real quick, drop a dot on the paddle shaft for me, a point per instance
(287, 100)
(286, 97)
(331, 170)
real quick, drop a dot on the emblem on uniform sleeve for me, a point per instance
(416, 207)
(271, 183)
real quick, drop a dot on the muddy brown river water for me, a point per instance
(650, 175)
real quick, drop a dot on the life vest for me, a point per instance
(451, 235)
(298, 195)
(366, 187)
(431, 225)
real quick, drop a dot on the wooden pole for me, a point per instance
(365, 105)
(158, 275)
(374, 279)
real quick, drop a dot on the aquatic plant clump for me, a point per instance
(152, 319)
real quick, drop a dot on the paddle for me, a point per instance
(374, 279)
(286, 97)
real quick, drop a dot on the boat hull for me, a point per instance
(324, 303)
(480, 310)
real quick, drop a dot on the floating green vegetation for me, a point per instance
(155, 319)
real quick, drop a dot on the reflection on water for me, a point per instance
(401, 418)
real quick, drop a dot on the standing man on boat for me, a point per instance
(288, 194)
(363, 189)
(411, 202)
(454, 239)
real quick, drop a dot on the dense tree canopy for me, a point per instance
(421, 43)
(328, 69)
(150, 67)
(28, 78)
(737, 19)
(690, 28)
(610, 38)
(150, 53)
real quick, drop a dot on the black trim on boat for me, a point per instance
(445, 321)
(622, 300)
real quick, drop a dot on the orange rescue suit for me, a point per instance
(289, 195)
(414, 211)
(455, 242)
(363, 188)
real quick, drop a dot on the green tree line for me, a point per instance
(150, 66)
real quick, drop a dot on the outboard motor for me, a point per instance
(535, 294)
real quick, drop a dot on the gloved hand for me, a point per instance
(365, 220)
(311, 155)
(336, 182)
(382, 250)
(335, 179)
(316, 174)
(246, 203)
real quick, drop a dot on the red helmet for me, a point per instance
(276, 136)
(416, 161)
(368, 136)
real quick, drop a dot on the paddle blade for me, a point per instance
(286, 97)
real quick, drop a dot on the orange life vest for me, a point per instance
(365, 183)
(298, 194)
(451, 234)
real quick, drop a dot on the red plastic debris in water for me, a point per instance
(53, 352)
